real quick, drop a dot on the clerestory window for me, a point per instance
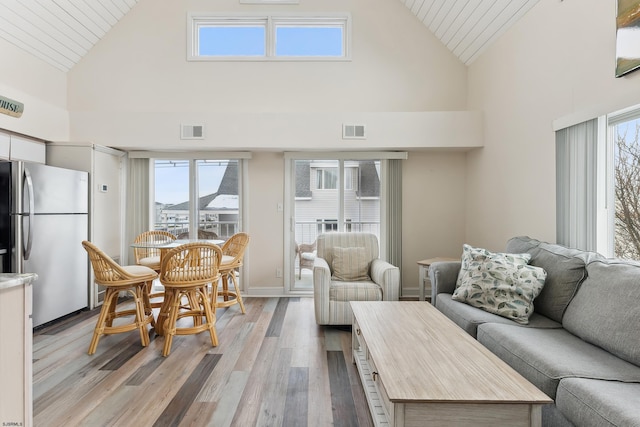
(268, 37)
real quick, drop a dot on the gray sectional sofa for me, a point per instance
(582, 343)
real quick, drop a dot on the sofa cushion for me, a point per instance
(605, 311)
(502, 284)
(565, 272)
(522, 244)
(545, 356)
(350, 264)
(468, 317)
(599, 403)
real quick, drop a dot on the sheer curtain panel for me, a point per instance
(576, 185)
(137, 208)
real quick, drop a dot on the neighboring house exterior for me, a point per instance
(317, 204)
(316, 201)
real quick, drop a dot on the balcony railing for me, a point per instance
(308, 231)
(224, 229)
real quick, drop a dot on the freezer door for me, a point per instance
(60, 261)
(55, 190)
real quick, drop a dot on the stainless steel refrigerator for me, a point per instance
(44, 217)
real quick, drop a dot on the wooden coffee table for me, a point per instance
(418, 368)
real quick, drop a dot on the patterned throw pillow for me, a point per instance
(471, 254)
(350, 264)
(503, 284)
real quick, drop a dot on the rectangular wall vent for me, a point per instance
(192, 132)
(353, 132)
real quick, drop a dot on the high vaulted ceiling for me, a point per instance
(468, 27)
(61, 32)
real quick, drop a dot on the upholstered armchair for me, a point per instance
(348, 268)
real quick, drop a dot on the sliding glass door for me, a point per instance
(329, 195)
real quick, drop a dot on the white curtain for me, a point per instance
(394, 213)
(576, 185)
(137, 212)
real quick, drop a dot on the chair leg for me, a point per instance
(225, 286)
(232, 273)
(102, 319)
(141, 323)
(209, 316)
(214, 296)
(112, 308)
(170, 323)
(194, 303)
(148, 308)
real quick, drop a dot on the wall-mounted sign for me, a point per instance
(10, 107)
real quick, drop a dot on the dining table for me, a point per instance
(164, 247)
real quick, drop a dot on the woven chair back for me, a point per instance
(235, 247)
(154, 236)
(191, 264)
(107, 272)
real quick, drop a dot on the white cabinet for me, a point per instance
(16, 408)
(105, 167)
(14, 147)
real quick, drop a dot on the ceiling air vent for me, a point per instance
(192, 132)
(353, 132)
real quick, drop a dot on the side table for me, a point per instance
(424, 273)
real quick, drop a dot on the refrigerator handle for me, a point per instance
(29, 182)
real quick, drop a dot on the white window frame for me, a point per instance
(271, 22)
(606, 179)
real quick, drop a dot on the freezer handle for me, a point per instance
(29, 182)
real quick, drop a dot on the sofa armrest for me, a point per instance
(443, 276)
(388, 277)
(321, 285)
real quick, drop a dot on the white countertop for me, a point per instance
(9, 280)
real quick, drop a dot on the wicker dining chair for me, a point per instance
(150, 256)
(186, 272)
(232, 258)
(133, 279)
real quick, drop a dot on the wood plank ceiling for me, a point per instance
(61, 32)
(468, 27)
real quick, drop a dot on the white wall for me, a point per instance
(135, 88)
(40, 87)
(556, 63)
(433, 193)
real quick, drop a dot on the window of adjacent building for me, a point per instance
(268, 37)
(327, 178)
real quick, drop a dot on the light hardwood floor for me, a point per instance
(273, 367)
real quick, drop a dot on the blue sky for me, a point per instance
(290, 41)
